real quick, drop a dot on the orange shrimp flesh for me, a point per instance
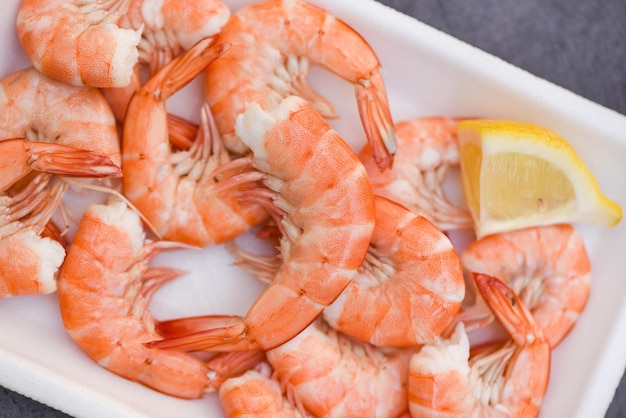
(409, 287)
(255, 394)
(177, 191)
(316, 183)
(334, 376)
(427, 147)
(29, 260)
(547, 266)
(105, 287)
(41, 109)
(272, 42)
(79, 42)
(169, 27)
(508, 379)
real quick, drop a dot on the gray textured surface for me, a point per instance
(578, 45)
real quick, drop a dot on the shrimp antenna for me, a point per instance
(120, 196)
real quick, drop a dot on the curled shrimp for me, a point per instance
(178, 192)
(256, 394)
(167, 28)
(272, 43)
(105, 287)
(408, 289)
(41, 109)
(507, 379)
(427, 149)
(320, 195)
(547, 266)
(78, 41)
(331, 375)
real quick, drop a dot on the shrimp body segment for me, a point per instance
(105, 287)
(272, 43)
(547, 266)
(334, 376)
(177, 191)
(324, 203)
(427, 149)
(410, 285)
(169, 27)
(79, 42)
(29, 264)
(41, 109)
(255, 394)
(504, 380)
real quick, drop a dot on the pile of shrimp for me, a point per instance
(368, 309)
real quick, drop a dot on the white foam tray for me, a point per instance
(427, 73)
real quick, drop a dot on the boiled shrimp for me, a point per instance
(178, 192)
(321, 198)
(408, 289)
(501, 380)
(105, 287)
(78, 41)
(272, 43)
(256, 394)
(41, 109)
(427, 150)
(331, 375)
(167, 28)
(547, 266)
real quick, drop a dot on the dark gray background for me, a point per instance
(580, 45)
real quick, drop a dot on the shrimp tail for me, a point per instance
(180, 72)
(68, 161)
(181, 132)
(376, 119)
(507, 308)
(51, 158)
(232, 364)
(203, 333)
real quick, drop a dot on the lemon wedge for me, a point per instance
(516, 175)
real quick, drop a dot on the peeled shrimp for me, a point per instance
(178, 192)
(256, 394)
(321, 197)
(408, 289)
(427, 149)
(105, 287)
(78, 41)
(333, 376)
(500, 380)
(546, 266)
(272, 43)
